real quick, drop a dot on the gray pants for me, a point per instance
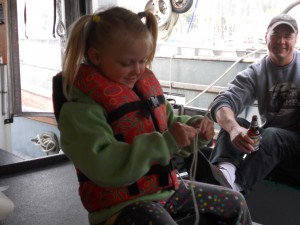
(279, 151)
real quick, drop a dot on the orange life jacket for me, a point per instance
(130, 112)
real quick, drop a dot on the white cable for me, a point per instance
(202, 92)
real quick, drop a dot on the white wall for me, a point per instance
(5, 129)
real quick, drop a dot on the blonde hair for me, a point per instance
(98, 30)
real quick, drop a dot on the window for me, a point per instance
(209, 29)
(37, 57)
(187, 61)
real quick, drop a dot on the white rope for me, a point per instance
(193, 168)
(193, 171)
(48, 142)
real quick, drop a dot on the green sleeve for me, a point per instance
(87, 139)
(172, 118)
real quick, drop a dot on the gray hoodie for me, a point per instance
(276, 90)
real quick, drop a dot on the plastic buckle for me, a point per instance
(153, 102)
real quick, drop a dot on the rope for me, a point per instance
(48, 142)
(60, 28)
(25, 19)
(193, 171)
(193, 168)
(54, 18)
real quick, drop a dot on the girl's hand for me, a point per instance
(183, 134)
(205, 128)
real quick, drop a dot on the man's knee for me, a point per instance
(271, 139)
(243, 122)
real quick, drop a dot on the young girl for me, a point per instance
(121, 133)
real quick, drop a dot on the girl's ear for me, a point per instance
(94, 56)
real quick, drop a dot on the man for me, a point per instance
(273, 82)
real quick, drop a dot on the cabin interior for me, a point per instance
(192, 64)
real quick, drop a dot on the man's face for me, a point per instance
(281, 42)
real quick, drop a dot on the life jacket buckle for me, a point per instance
(153, 102)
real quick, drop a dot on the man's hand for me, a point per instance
(240, 139)
(238, 135)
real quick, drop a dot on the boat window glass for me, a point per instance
(40, 37)
(215, 29)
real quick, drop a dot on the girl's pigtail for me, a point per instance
(151, 24)
(74, 53)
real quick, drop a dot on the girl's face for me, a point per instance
(124, 63)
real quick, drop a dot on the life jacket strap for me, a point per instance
(144, 106)
(133, 189)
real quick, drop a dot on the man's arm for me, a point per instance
(226, 119)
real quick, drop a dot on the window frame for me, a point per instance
(74, 10)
